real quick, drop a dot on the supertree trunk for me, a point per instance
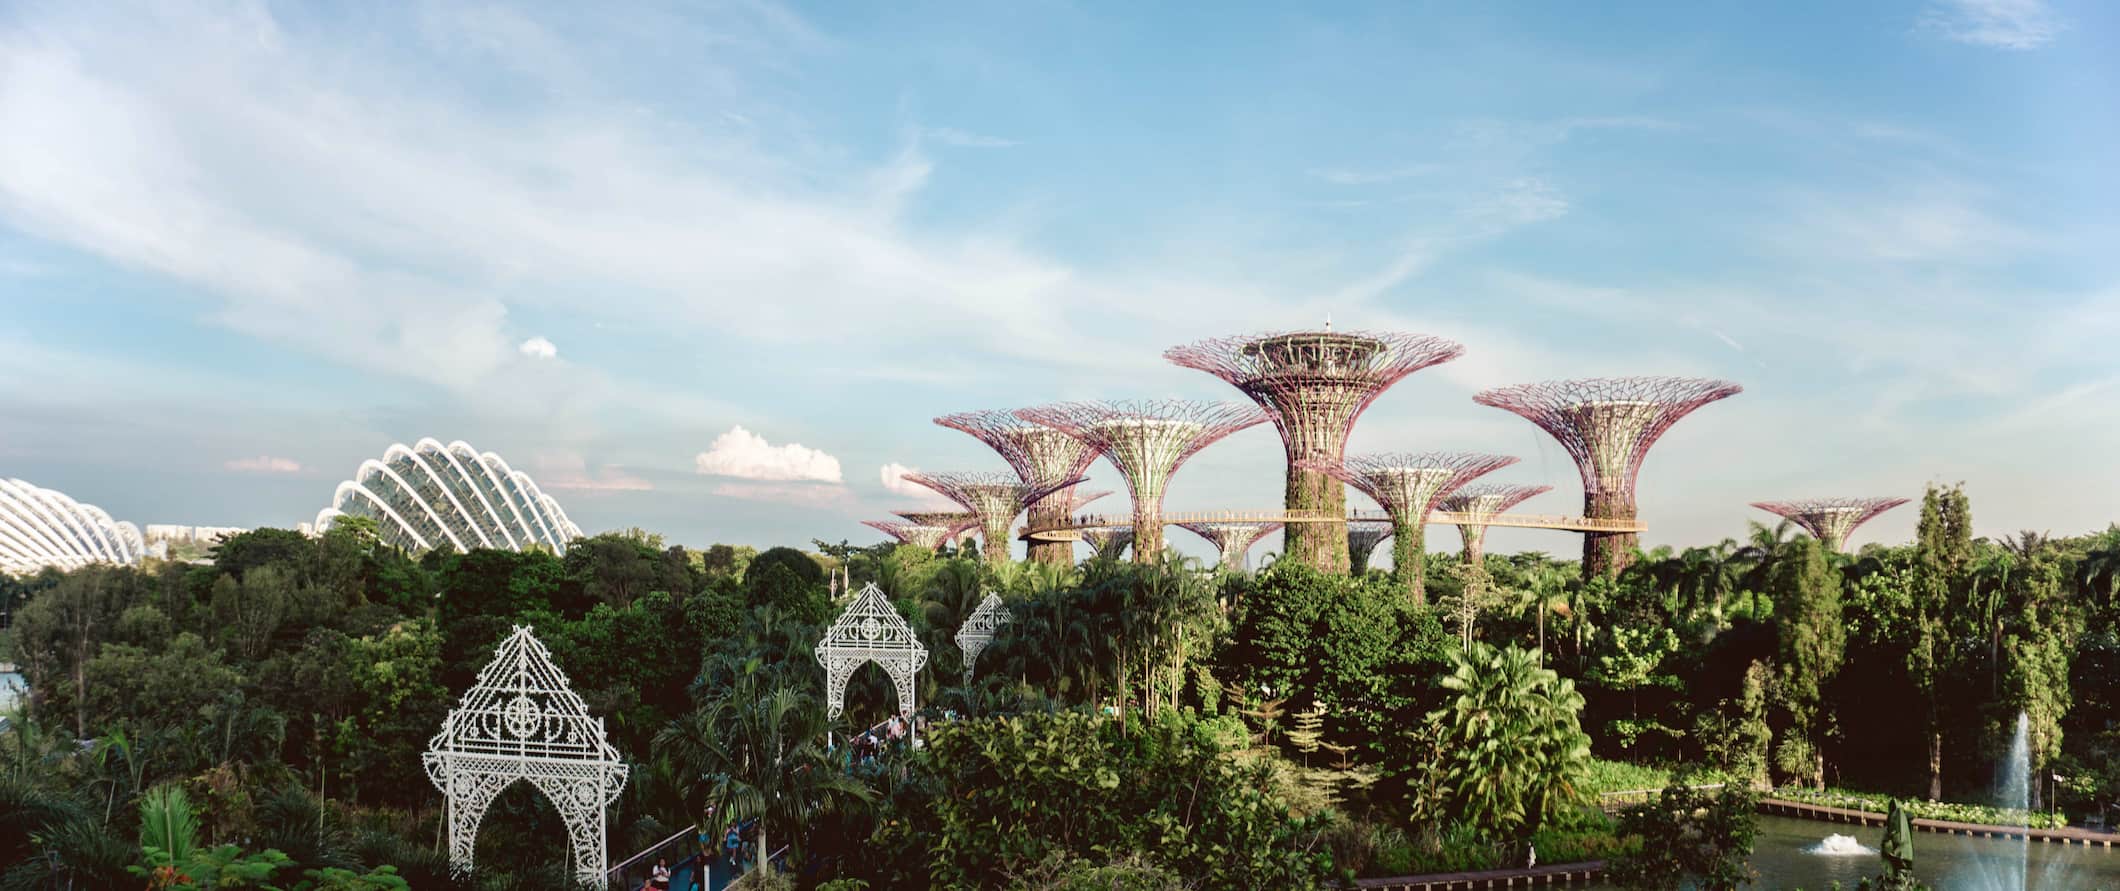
(1606, 553)
(1051, 511)
(1409, 560)
(1321, 545)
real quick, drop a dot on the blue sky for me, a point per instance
(245, 246)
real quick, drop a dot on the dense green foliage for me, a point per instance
(1131, 726)
(1687, 835)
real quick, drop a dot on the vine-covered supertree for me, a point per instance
(1038, 453)
(1108, 541)
(930, 537)
(996, 497)
(1607, 425)
(1147, 440)
(1830, 520)
(1233, 540)
(1407, 485)
(1363, 536)
(1479, 502)
(1314, 385)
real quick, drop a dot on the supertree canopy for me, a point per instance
(1407, 485)
(1233, 540)
(930, 537)
(1362, 539)
(1147, 440)
(1108, 541)
(1038, 453)
(1830, 520)
(956, 521)
(995, 497)
(1479, 502)
(1607, 425)
(1314, 384)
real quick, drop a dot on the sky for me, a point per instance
(709, 269)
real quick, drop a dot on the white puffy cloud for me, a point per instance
(746, 455)
(538, 348)
(264, 464)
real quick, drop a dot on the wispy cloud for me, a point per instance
(2001, 24)
(892, 475)
(264, 464)
(966, 139)
(567, 470)
(1342, 176)
(746, 455)
(813, 496)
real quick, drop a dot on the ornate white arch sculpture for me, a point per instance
(870, 631)
(978, 631)
(522, 721)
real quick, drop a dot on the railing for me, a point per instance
(1625, 797)
(629, 873)
(1068, 527)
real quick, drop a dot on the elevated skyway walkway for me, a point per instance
(1070, 528)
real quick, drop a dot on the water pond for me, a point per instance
(1792, 853)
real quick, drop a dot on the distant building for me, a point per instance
(42, 527)
(183, 535)
(428, 495)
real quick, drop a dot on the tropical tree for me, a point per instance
(1812, 646)
(1510, 746)
(757, 752)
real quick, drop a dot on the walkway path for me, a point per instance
(1554, 874)
(1069, 528)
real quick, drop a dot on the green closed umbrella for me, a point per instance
(1898, 846)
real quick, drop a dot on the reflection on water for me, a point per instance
(1782, 855)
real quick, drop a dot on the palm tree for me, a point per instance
(1544, 592)
(757, 753)
(2098, 573)
(1763, 548)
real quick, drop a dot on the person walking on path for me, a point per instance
(660, 875)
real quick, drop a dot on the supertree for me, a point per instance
(1233, 540)
(1148, 440)
(930, 537)
(1830, 520)
(996, 497)
(1407, 485)
(1363, 536)
(1108, 541)
(1478, 503)
(1038, 453)
(956, 521)
(1607, 425)
(1314, 384)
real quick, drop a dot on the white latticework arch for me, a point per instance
(978, 631)
(870, 631)
(522, 721)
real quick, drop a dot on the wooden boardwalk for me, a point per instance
(2067, 835)
(1555, 874)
